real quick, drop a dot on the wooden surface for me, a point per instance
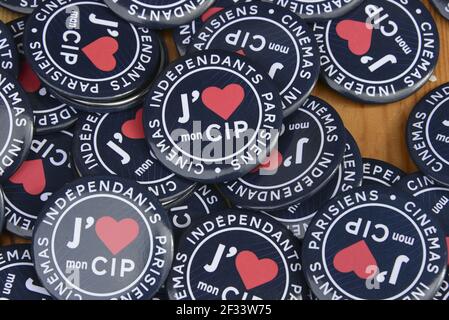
(379, 130)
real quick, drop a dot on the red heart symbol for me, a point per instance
(223, 102)
(209, 13)
(31, 175)
(116, 236)
(272, 163)
(133, 129)
(28, 79)
(358, 34)
(253, 271)
(357, 257)
(101, 53)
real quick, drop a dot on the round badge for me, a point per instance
(427, 134)
(16, 131)
(297, 217)
(21, 6)
(310, 149)
(104, 238)
(436, 198)
(159, 14)
(50, 115)
(237, 256)
(378, 173)
(204, 201)
(184, 34)
(272, 36)
(9, 58)
(313, 10)
(431, 194)
(18, 280)
(374, 244)
(381, 52)
(442, 6)
(114, 144)
(82, 50)
(212, 116)
(47, 168)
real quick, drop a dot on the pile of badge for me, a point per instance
(217, 176)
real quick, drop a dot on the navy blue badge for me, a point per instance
(206, 200)
(381, 52)
(310, 149)
(16, 131)
(442, 6)
(212, 116)
(105, 238)
(436, 198)
(374, 244)
(47, 168)
(237, 255)
(443, 291)
(273, 37)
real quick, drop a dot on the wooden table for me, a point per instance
(379, 130)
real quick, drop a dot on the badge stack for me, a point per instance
(220, 174)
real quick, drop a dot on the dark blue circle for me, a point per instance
(297, 217)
